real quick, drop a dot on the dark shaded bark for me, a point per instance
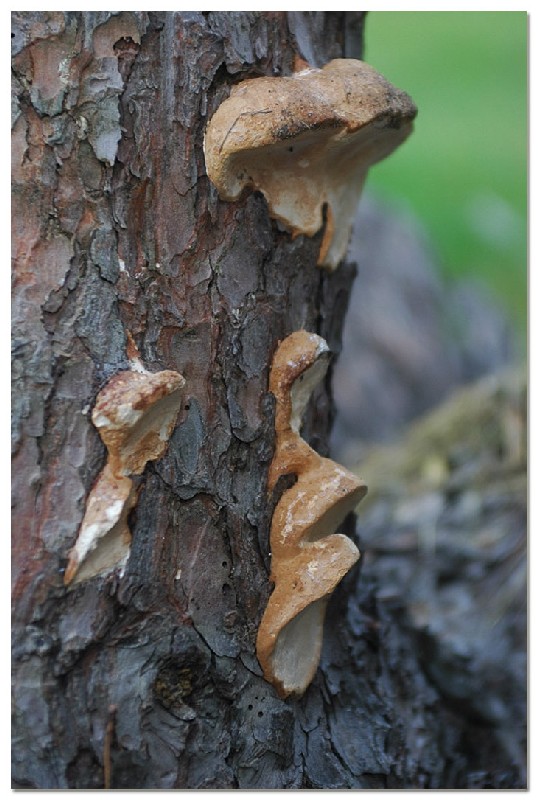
(150, 677)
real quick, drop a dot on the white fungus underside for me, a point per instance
(298, 648)
(302, 389)
(112, 553)
(159, 419)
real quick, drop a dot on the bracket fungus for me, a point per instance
(306, 142)
(135, 414)
(308, 559)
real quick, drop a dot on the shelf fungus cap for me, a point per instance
(135, 414)
(299, 364)
(308, 556)
(104, 538)
(290, 636)
(306, 142)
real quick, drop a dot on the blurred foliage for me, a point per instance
(464, 169)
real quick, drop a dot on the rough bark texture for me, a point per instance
(117, 229)
(149, 679)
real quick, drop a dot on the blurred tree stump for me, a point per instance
(444, 531)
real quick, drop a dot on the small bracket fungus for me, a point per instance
(135, 415)
(308, 559)
(306, 142)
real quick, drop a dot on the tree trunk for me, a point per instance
(147, 677)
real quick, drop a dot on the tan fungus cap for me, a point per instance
(306, 142)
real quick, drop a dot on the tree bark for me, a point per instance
(148, 678)
(117, 230)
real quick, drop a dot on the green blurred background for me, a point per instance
(464, 169)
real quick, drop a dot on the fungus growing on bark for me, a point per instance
(306, 142)
(135, 414)
(308, 559)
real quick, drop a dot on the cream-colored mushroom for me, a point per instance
(135, 415)
(308, 559)
(306, 142)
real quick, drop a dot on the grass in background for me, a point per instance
(464, 169)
